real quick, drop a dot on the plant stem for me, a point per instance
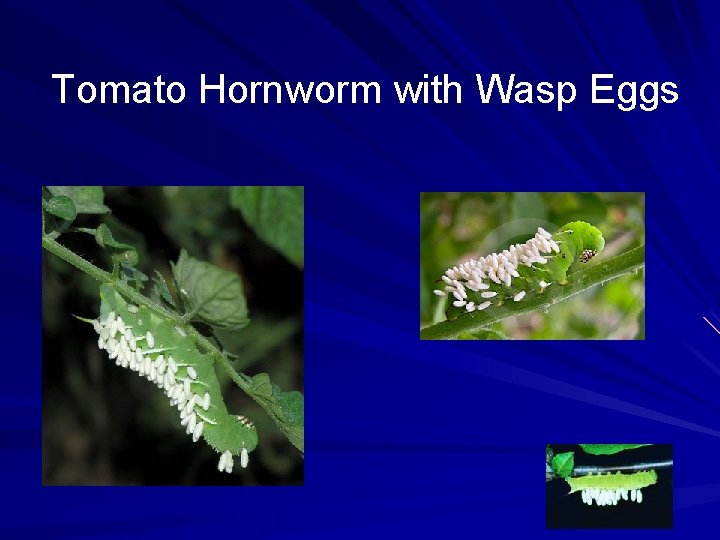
(577, 282)
(587, 469)
(244, 382)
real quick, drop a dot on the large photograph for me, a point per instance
(173, 335)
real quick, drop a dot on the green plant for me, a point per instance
(171, 332)
(530, 277)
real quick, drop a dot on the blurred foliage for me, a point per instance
(103, 425)
(458, 226)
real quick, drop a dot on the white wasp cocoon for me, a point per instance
(544, 233)
(488, 294)
(189, 406)
(519, 296)
(132, 308)
(244, 458)
(484, 305)
(206, 401)
(438, 292)
(226, 462)
(150, 339)
(198, 431)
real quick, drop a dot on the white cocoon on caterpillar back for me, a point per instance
(520, 269)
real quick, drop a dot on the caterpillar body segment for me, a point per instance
(616, 480)
(609, 489)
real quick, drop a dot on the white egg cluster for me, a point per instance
(500, 268)
(605, 497)
(126, 348)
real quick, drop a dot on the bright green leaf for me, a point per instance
(87, 199)
(292, 404)
(287, 409)
(277, 215)
(563, 464)
(60, 206)
(605, 449)
(214, 295)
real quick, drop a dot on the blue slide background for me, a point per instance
(415, 439)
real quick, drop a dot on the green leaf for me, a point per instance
(121, 253)
(132, 276)
(287, 409)
(87, 199)
(60, 206)
(161, 292)
(277, 215)
(563, 464)
(214, 295)
(606, 449)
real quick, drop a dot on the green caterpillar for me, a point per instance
(163, 352)
(521, 269)
(608, 489)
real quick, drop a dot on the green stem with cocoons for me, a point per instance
(577, 282)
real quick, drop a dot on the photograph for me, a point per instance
(172, 335)
(527, 265)
(609, 486)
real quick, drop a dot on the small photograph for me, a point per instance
(170, 354)
(609, 486)
(529, 265)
